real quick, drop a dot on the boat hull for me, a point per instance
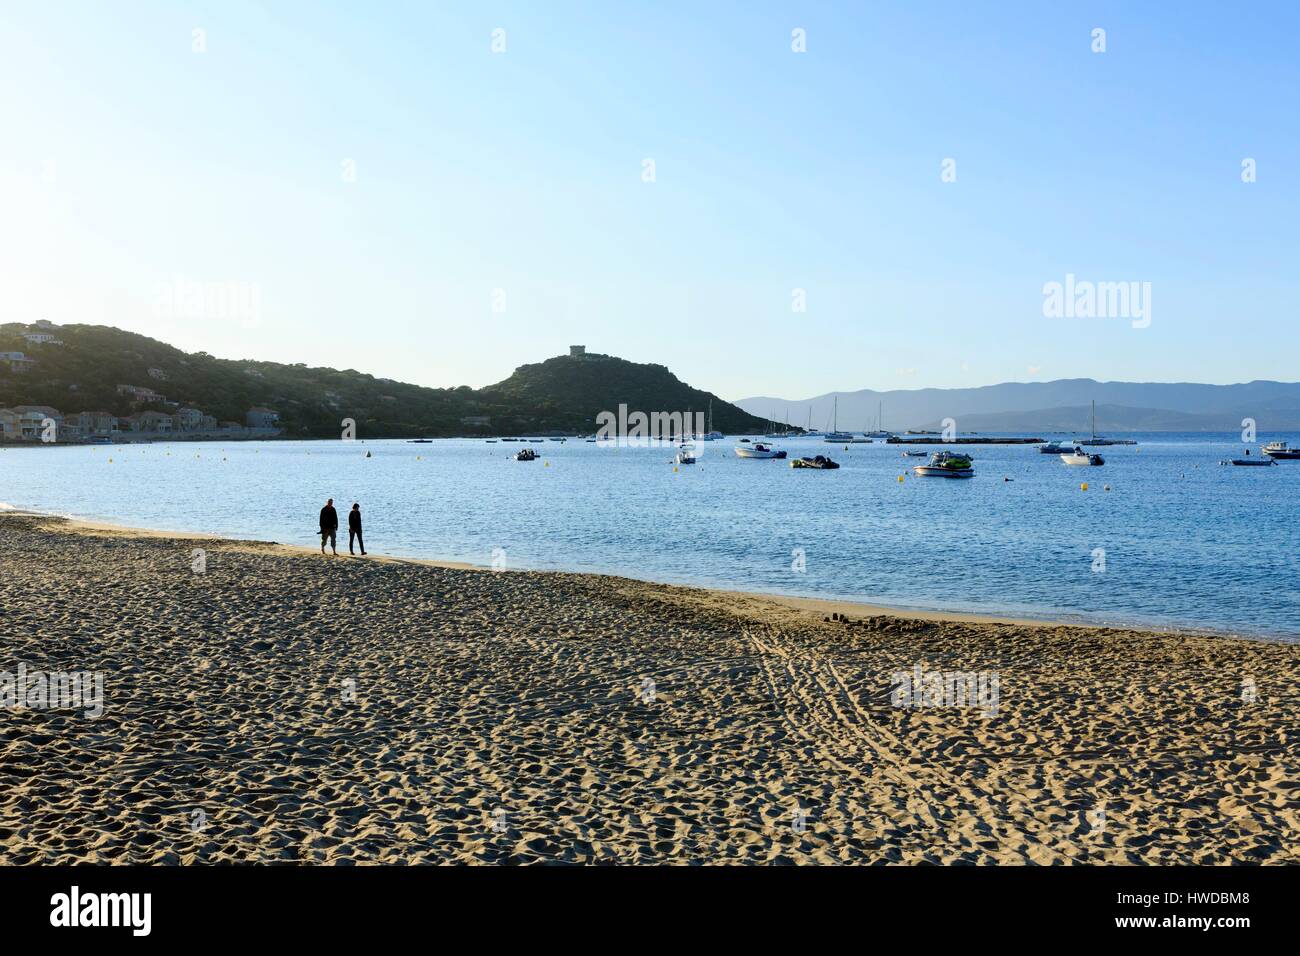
(937, 471)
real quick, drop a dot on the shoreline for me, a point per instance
(341, 712)
(806, 603)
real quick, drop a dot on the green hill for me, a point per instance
(575, 389)
(562, 394)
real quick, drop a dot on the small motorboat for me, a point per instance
(1055, 448)
(420, 441)
(489, 441)
(525, 454)
(915, 454)
(817, 461)
(684, 457)
(1254, 462)
(1280, 451)
(1081, 457)
(946, 464)
(758, 450)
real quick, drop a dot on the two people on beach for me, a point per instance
(329, 526)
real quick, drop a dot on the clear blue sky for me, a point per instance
(128, 159)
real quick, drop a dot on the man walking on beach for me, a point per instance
(354, 529)
(329, 527)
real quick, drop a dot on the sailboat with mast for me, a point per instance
(880, 424)
(711, 435)
(1095, 439)
(835, 435)
(809, 431)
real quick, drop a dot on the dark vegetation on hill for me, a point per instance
(562, 394)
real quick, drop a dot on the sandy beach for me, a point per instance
(279, 706)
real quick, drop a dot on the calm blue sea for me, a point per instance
(1187, 543)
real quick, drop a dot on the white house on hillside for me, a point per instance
(262, 417)
(16, 361)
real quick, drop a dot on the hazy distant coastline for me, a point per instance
(1057, 406)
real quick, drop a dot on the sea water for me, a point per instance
(1178, 541)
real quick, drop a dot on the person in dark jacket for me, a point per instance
(354, 528)
(329, 526)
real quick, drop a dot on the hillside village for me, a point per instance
(44, 423)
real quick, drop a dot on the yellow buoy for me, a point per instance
(546, 464)
(1084, 486)
(674, 469)
(900, 477)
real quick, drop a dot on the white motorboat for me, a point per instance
(946, 464)
(758, 450)
(1081, 457)
(1280, 449)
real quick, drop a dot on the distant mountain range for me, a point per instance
(76, 368)
(1060, 406)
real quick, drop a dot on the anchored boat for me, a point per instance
(758, 450)
(835, 435)
(1279, 450)
(946, 464)
(1080, 457)
(817, 461)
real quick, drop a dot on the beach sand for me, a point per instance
(281, 706)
